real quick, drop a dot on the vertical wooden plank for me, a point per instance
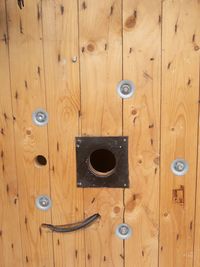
(197, 208)
(101, 70)
(180, 94)
(28, 94)
(141, 64)
(60, 30)
(10, 240)
(196, 42)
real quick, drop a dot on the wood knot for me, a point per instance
(157, 160)
(131, 21)
(133, 202)
(134, 112)
(90, 47)
(196, 47)
(28, 132)
(116, 209)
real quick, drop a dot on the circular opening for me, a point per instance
(102, 162)
(41, 160)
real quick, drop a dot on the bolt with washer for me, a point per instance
(40, 117)
(179, 167)
(125, 88)
(123, 231)
(43, 202)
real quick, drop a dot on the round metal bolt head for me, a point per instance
(179, 167)
(123, 231)
(125, 88)
(40, 117)
(74, 59)
(43, 202)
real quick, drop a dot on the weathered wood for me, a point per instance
(179, 117)
(101, 107)
(61, 58)
(141, 114)
(28, 93)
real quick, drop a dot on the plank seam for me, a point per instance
(79, 117)
(124, 190)
(160, 117)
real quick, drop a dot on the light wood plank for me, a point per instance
(141, 64)
(101, 70)
(180, 94)
(10, 240)
(196, 42)
(197, 213)
(60, 28)
(28, 93)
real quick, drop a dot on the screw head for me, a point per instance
(179, 167)
(125, 88)
(123, 231)
(40, 117)
(74, 59)
(43, 202)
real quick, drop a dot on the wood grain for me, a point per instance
(101, 107)
(141, 120)
(196, 42)
(180, 94)
(67, 57)
(60, 33)
(10, 238)
(28, 94)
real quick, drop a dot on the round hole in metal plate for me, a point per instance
(102, 162)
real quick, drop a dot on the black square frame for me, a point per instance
(118, 145)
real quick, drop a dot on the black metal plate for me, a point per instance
(118, 145)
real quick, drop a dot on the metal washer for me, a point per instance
(128, 85)
(123, 231)
(179, 167)
(40, 117)
(43, 202)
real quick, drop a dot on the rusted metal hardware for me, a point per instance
(20, 3)
(102, 161)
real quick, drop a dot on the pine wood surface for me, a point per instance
(67, 57)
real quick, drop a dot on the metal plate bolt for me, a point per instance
(179, 167)
(43, 202)
(123, 231)
(125, 88)
(40, 117)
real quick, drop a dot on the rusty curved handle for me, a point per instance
(72, 227)
(20, 3)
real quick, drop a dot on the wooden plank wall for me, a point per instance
(67, 57)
